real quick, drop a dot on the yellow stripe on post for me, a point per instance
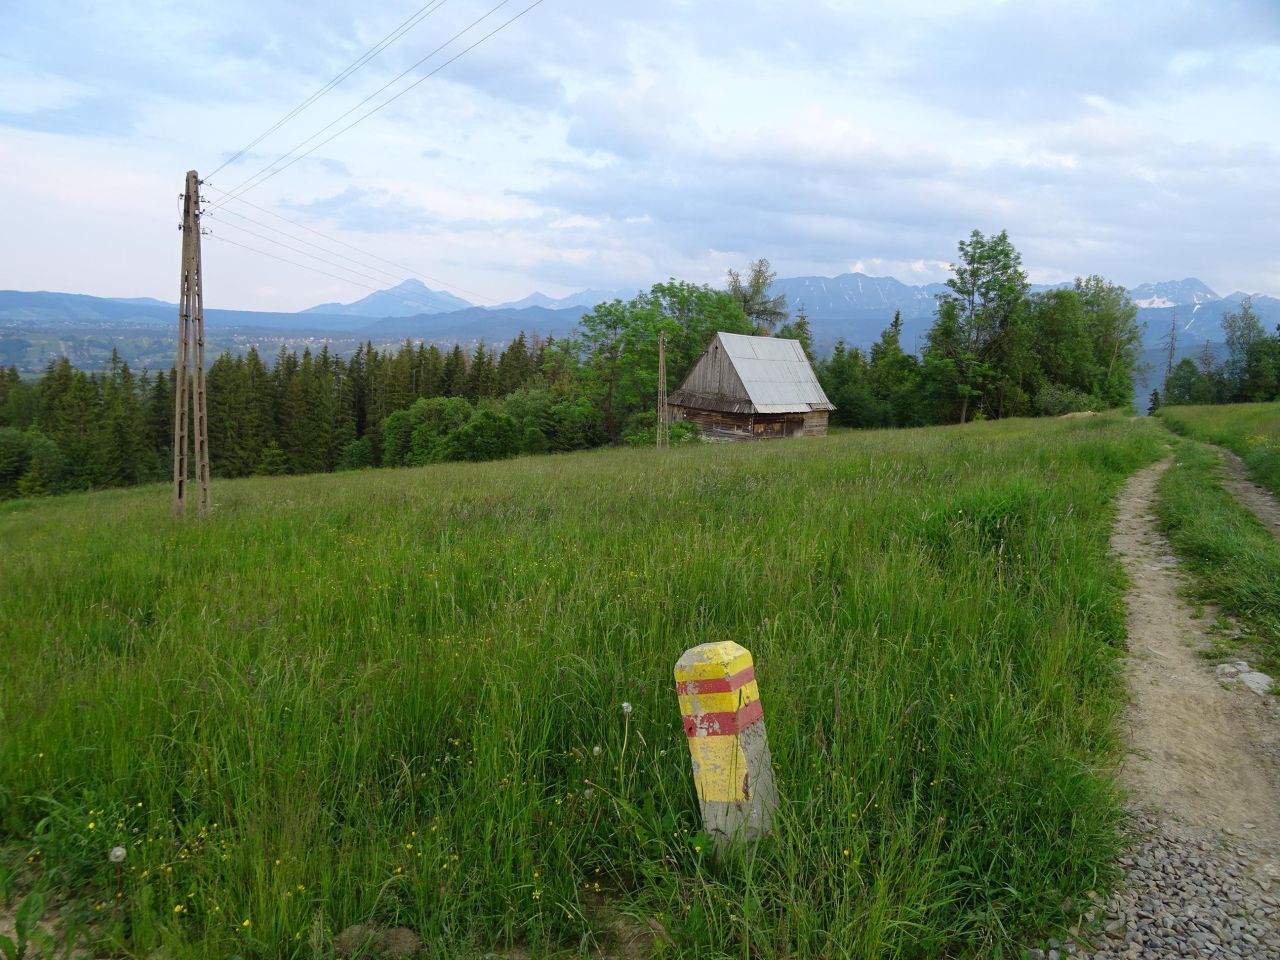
(724, 723)
(713, 661)
(719, 702)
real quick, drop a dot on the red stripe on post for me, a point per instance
(725, 723)
(691, 688)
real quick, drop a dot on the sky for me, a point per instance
(610, 144)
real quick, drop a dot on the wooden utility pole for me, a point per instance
(189, 382)
(664, 432)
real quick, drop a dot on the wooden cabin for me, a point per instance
(752, 388)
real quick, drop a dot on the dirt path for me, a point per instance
(1258, 499)
(1203, 753)
(1203, 774)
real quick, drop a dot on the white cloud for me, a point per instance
(23, 91)
(611, 144)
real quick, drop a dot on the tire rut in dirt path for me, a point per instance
(1202, 775)
(1204, 754)
(1258, 499)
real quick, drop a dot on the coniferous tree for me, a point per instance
(15, 455)
(482, 378)
(54, 385)
(274, 462)
(453, 376)
(75, 428)
(844, 379)
(159, 417)
(121, 435)
(229, 415)
(515, 366)
(765, 310)
(260, 419)
(893, 377)
(798, 329)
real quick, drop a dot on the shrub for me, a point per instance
(574, 425)
(489, 435)
(273, 462)
(356, 455)
(434, 420)
(46, 471)
(1054, 400)
(642, 431)
(397, 431)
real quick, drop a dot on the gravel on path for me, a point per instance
(1202, 877)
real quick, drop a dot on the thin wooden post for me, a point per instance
(190, 341)
(664, 432)
(724, 721)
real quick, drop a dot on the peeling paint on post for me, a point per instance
(724, 721)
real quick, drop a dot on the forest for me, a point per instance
(995, 350)
(1249, 373)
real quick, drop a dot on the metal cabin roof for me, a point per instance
(776, 373)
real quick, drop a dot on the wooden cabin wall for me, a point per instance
(715, 376)
(815, 423)
(717, 426)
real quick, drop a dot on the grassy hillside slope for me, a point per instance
(1251, 430)
(380, 696)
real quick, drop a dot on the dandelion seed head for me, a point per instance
(626, 709)
(116, 855)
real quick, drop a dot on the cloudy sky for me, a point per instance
(597, 143)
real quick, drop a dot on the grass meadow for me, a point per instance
(1236, 560)
(1251, 430)
(379, 696)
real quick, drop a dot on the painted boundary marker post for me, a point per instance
(724, 721)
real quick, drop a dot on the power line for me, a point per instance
(284, 233)
(279, 243)
(407, 270)
(421, 14)
(247, 185)
(394, 80)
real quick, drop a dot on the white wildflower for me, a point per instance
(595, 751)
(116, 855)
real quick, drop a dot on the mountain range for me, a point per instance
(853, 306)
(414, 298)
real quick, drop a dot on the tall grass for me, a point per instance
(378, 696)
(1251, 430)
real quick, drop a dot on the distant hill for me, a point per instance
(853, 295)
(583, 298)
(492, 324)
(407, 299)
(857, 307)
(854, 307)
(51, 311)
(1173, 293)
